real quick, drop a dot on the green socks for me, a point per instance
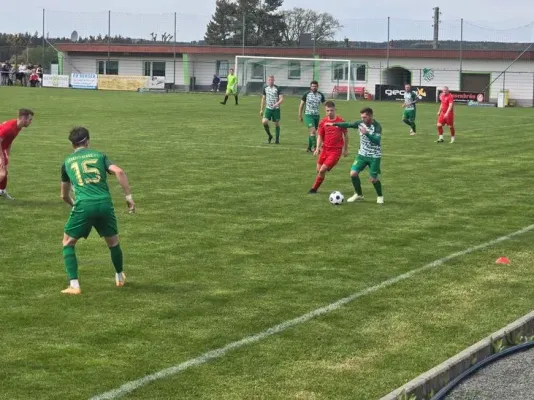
(378, 188)
(277, 132)
(357, 184)
(71, 263)
(413, 126)
(313, 142)
(267, 129)
(116, 258)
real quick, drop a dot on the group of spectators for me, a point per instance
(26, 75)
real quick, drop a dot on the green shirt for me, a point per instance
(85, 170)
(370, 142)
(272, 95)
(410, 98)
(313, 102)
(232, 81)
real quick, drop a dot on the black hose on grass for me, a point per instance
(475, 368)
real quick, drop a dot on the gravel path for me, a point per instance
(511, 378)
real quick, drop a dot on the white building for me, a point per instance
(193, 67)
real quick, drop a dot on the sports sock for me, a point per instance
(236, 100)
(407, 122)
(413, 126)
(313, 141)
(3, 183)
(318, 181)
(378, 188)
(267, 129)
(357, 185)
(74, 283)
(277, 132)
(71, 263)
(453, 131)
(116, 257)
(225, 99)
(440, 130)
(309, 142)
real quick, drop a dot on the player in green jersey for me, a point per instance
(231, 87)
(369, 155)
(312, 100)
(271, 100)
(408, 116)
(85, 172)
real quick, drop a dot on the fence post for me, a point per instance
(43, 43)
(174, 57)
(387, 48)
(109, 40)
(461, 45)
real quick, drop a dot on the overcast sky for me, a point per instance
(409, 19)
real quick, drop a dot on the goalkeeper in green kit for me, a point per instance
(85, 172)
(369, 155)
(231, 88)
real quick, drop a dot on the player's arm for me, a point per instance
(65, 186)
(345, 142)
(320, 137)
(280, 100)
(125, 185)
(301, 106)
(345, 125)
(262, 106)
(450, 108)
(376, 136)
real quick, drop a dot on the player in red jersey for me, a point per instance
(332, 142)
(8, 132)
(446, 114)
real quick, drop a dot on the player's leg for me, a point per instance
(3, 180)
(406, 119)
(276, 118)
(77, 226)
(226, 95)
(450, 122)
(374, 172)
(236, 98)
(313, 133)
(414, 127)
(267, 116)
(441, 122)
(308, 121)
(322, 169)
(358, 166)
(106, 226)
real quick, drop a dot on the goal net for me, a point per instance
(293, 75)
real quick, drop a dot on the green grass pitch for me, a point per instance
(226, 243)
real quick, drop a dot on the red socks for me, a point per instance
(440, 130)
(318, 182)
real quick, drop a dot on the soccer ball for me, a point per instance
(336, 198)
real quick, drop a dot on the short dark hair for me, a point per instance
(366, 110)
(330, 104)
(78, 136)
(25, 112)
(314, 83)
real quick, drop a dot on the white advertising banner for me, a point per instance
(58, 81)
(84, 81)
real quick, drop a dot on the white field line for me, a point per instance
(129, 387)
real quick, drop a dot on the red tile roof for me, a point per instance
(89, 48)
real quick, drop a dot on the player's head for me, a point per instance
(366, 114)
(79, 137)
(270, 80)
(330, 109)
(314, 86)
(231, 71)
(407, 87)
(445, 89)
(25, 117)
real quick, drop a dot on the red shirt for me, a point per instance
(8, 132)
(332, 135)
(446, 101)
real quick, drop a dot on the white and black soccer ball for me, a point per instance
(336, 198)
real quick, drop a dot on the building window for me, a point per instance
(294, 70)
(360, 72)
(108, 67)
(257, 71)
(340, 72)
(221, 68)
(155, 68)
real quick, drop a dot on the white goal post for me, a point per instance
(336, 77)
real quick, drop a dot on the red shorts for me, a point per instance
(329, 157)
(446, 121)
